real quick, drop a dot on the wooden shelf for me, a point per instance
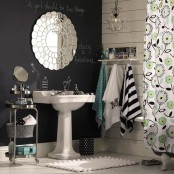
(20, 156)
(24, 106)
(26, 92)
(116, 60)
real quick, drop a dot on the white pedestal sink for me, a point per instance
(64, 104)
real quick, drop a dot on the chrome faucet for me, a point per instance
(66, 84)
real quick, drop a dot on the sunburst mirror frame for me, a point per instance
(54, 40)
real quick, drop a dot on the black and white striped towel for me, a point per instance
(130, 106)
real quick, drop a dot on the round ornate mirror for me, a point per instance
(20, 74)
(54, 40)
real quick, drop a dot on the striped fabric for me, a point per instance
(130, 106)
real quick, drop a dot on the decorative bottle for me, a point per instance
(107, 53)
(45, 83)
(76, 91)
(112, 54)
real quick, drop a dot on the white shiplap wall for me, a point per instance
(134, 12)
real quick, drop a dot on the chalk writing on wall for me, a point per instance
(53, 5)
(84, 55)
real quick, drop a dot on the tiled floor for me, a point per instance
(28, 166)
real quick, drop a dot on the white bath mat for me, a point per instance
(90, 164)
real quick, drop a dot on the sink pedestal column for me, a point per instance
(64, 149)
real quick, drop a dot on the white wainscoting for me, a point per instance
(43, 149)
(131, 143)
(134, 11)
(111, 143)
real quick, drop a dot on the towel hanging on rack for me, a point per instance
(130, 106)
(98, 105)
(111, 96)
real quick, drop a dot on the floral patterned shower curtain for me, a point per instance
(159, 76)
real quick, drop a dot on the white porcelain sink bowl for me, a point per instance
(64, 103)
(46, 96)
(70, 102)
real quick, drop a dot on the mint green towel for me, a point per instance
(98, 105)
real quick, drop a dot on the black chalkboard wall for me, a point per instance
(17, 19)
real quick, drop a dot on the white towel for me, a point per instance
(29, 120)
(111, 96)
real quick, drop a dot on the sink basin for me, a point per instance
(70, 102)
(46, 96)
(62, 100)
(64, 103)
